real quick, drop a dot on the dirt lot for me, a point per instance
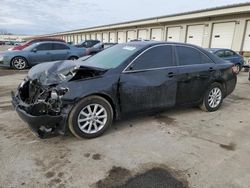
(199, 149)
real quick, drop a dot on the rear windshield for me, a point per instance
(113, 56)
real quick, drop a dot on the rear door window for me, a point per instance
(156, 57)
(43, 47)
(60, 47)
(229, 53)
(191, 56)
(220, 53)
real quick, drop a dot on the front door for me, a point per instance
(149, 83)
(41, 53)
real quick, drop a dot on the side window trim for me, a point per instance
(126, 70)
(51, 46)
(177, 58)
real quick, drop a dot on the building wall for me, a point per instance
(13, 37)
(205, 28)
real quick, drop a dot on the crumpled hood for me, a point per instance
(54, 72)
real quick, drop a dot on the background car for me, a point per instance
(28, 43)
(38, 53)
(126, 79)
(229, 55)
(87, 43)
(99, 47)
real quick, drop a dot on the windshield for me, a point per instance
(113, 56)
(30, 47)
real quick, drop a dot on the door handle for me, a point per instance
(211, 69)
(48, 53)
(171, 74)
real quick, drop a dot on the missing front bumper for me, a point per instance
(42, 125)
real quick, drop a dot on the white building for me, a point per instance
(13, 37)
(220, 27)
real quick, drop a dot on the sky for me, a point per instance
(33, 17)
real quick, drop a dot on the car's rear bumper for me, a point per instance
(42, 125)
(230, 85)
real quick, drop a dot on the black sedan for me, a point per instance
(126, 79)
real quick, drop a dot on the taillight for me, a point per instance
(234, 70)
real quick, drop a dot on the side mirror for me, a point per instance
(34, 50)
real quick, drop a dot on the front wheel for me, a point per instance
(91, 117)
(213, 98)
(19, 63)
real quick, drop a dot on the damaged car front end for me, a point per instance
(38, 99)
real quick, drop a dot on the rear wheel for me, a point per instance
(213, 98)
(73, 58)
(19, 63)
(91, 117)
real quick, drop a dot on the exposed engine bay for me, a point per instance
(39, 96)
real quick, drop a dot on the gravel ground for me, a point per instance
(185, 147)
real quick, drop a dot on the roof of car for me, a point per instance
(217, 49)
(151, 42)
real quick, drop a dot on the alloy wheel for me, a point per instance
(92, 118)
(19, 63)
(214, 97)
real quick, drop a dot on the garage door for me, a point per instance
(156, 34)
(75, 39)
(99, 36)
(131, 35)
(121, 37)
(93, 36)
(195, 34)
(83, 37)
(173, 34)
(67, 38)
(142, 34)
(88, 37)
(223, 34)
(112, 37)
(246, 46)
(79, 38)
(105, 37)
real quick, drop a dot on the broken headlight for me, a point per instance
(57, 93)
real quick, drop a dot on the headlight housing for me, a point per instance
(1, 58)
(57, 93)
(54, 95)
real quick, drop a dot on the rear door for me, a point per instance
(149, 82)
(60, 52)
(195, 71)
(41, 53)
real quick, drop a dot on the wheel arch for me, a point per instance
(21, 57)
(222, 83)
(107, 98)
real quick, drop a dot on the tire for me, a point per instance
(84, 124)
(73, 58)
(212, 101)
(19, 63)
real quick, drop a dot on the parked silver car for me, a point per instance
(38, 53)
